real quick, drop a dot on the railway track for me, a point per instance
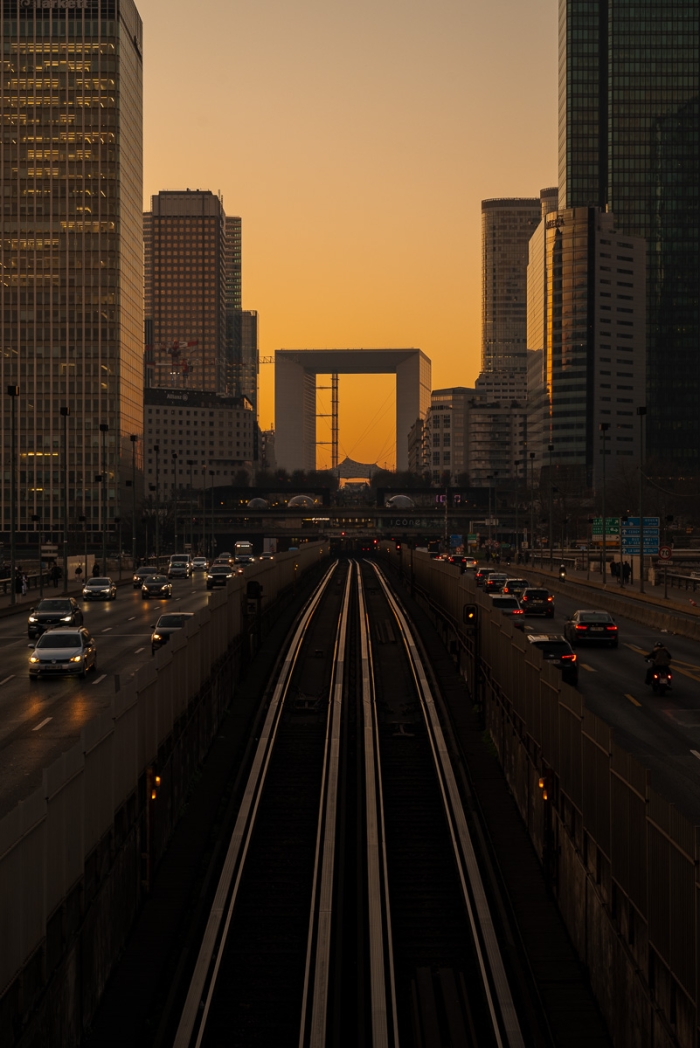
(350, 908)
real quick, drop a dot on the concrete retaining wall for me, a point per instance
(622, 863)
(76, 856)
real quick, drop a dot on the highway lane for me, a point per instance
(662, 733)
(41, 719)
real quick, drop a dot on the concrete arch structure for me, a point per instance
(295, 395)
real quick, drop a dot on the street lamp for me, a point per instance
(35, 520)
(65, 413)
(550, 449)
(211, 474)
(118, 522)
(104, 428)
(134, 440)
(604, 427)
(13, 393)
(156, 450)
(532, 504)
(190, 463)
(83, 520)
(641, 412)
(175, 502)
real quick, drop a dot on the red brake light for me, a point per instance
(568, 658)
(550, 598)
(611, 627)
(518, 611)
(581, 627)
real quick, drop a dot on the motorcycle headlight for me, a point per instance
(66, 618)
(33, 658)
(33, 618)
(76, 658)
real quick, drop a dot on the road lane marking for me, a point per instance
(695, 754)
(138, 651)
(131, 618)
(46, 721)
(633, 647)
(6, 679)
(633, 700)
(107, 629)
(585, 666)
(97, 681)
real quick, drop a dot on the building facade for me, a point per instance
(588, 343)
(71, 296)
(202, 438)
(445, 432)
(506, 226)
(629, 142)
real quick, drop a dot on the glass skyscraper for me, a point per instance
(71, 293)
(628, 141)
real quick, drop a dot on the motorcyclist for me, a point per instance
(562, 570)
(659, 658)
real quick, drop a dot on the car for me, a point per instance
(99, 589)
(200, 564)
(60, 611)
(495, 582)
(592, 627)
(267, 556)
(218, 575)
(141, 574)
(509, 606)
(537, 601)
(158, 587)
(63, 652)
(481, 575)
(557, 650)
(516, 587)
(224, 559)
(167, 625)
(179, 569)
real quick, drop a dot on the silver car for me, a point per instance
(63, 652)
(99, 589)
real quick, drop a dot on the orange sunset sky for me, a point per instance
(356, 140)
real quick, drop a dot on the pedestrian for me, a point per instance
(95, 570)
(25, 584)
(18, 582)
(78, 573)
(626, 571)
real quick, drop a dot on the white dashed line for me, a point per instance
(138, 651)
(695, 754)
(99, 679)
(107, 629)
(46, 721)
(131, 618)
(585, 666)
(6, 679)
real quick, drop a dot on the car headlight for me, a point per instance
(33, 618)
(66, 618)
(157, 636)
(76, 658)
(33, 658)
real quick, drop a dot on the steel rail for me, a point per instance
(502, 1010)
(384, 1012)
(195, 1012)
(314, 1008)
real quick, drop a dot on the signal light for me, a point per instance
(470, 615)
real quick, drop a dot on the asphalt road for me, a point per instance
(662, 733)
(41, 719)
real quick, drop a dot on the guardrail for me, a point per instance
(621, 860)
(107, 806)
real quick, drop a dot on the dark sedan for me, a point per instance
(156, 587)
(141, 574)
(536, 601)
(166, 625)
(592, 627)
(218, 575)
(557, 650)
(495, 582)
(63, 611)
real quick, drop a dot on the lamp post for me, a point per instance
(13, 393)
(190, 463)
(65, 414)
(83, 521)
(175, 502)
(98, 480)
(118, 522)
(604, 427)
(156, 450)
(641, 412)
(550, 449)
(517, 536)
(35, 519)
(532, 504)
(134, 440)
(104, 428)
(211, 487)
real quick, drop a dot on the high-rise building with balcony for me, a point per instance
(629, 141)
(71, 293)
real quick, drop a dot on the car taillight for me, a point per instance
(550, 599)
(611, 627)
(581, 627)
(518, 611)
(568, 658)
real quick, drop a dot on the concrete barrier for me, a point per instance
(76, 856)
(620, 859)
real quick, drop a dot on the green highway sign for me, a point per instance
(612, 525)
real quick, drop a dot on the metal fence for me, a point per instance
(63, 836)
(621, 859)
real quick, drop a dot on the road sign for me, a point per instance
(612, 525)
(49, 550)
(665, 553)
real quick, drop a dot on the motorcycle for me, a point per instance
(562, 573)
(660, 679)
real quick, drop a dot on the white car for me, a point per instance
(62, 652)
(200, 564)
(99, 589)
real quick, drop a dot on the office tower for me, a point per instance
(507, 225)
(445, 432)
(537, 332)
(197, 434)
(586, 333)
(188, 290)
(628, 134)
(71, 255)
(245, 361)
(234, 291)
